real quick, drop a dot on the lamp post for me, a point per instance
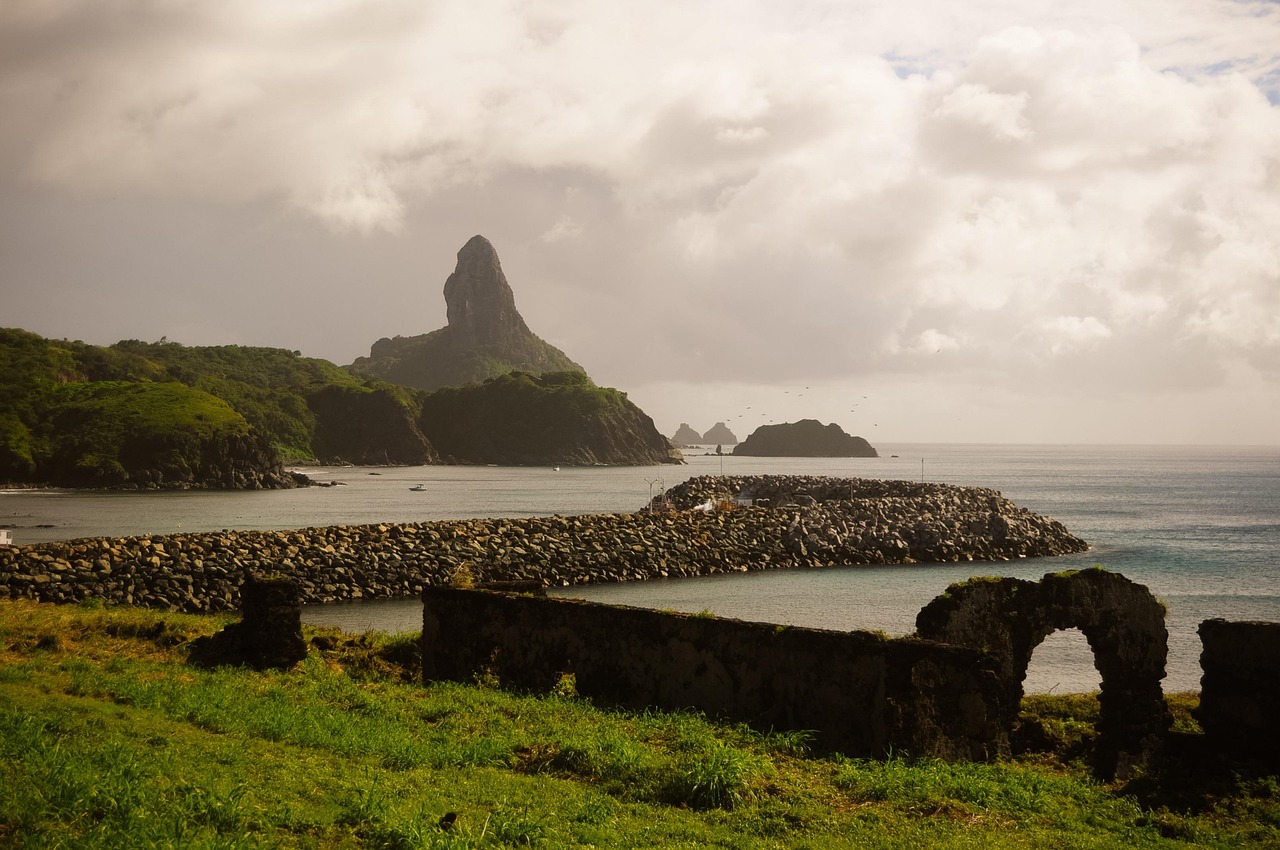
(651, 482)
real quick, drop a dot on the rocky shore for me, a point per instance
(753, 523)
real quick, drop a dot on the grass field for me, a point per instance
(108, 738)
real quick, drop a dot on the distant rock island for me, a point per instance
(718, 435)
(686, 436)
(806, 438)
(486, 335)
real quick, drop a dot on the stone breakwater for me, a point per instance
(807, 522)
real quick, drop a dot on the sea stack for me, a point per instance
(686, 436)
(720, 435)
(486, 335)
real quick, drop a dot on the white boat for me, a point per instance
(418, 488)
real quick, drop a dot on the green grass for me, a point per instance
(109, 739)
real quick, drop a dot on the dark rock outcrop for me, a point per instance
(719, 434)
(486, 335)
(806, 438)
(686, 436)
(1122, 621)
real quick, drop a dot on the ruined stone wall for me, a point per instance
(1122, 621)
(862, 694)
(270, 634)
(1240, 688)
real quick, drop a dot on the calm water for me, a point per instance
(1199, 526)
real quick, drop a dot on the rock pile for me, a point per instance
(809, 522)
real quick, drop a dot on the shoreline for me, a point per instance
(869, 522)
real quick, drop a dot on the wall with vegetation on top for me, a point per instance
(860, 693)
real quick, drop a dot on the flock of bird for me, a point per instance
(758, 418)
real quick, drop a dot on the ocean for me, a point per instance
(1199, 526)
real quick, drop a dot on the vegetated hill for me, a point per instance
(167, 415)
(806, 438)
(164, 415)
(309, 409)
(555, 418)
(486, 335)
(84, 416)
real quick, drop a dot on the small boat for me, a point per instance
(418, 488)
(555, 469)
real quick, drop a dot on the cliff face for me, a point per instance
(486, 335)
(370, 427)
(557, 418)
(806, 438)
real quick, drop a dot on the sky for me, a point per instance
(925, 221)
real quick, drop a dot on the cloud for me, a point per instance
(749, 192)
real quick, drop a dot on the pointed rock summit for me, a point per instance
(481, 306)
(486, 335)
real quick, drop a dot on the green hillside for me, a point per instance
(165, 414)
(558, 417)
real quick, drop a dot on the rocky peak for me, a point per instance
(719, 433)
(686, 436)
(481, 306)
(486, 336)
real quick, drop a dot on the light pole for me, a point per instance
(651, 482)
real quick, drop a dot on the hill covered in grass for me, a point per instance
(109, 738)
(558, 417)
(162, 414)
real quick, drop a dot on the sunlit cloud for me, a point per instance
(774, 191)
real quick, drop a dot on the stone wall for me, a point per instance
(1122, 621)
(269, 636)
(862, 694)
(1240, 689)
(812, 522)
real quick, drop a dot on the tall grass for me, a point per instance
(107, 739)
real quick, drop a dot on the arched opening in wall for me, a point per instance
(1060, 710)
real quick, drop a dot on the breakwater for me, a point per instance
(792, 521)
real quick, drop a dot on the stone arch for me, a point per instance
(1122, 621)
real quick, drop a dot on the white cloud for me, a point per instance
(774, 191)
(566, 227)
